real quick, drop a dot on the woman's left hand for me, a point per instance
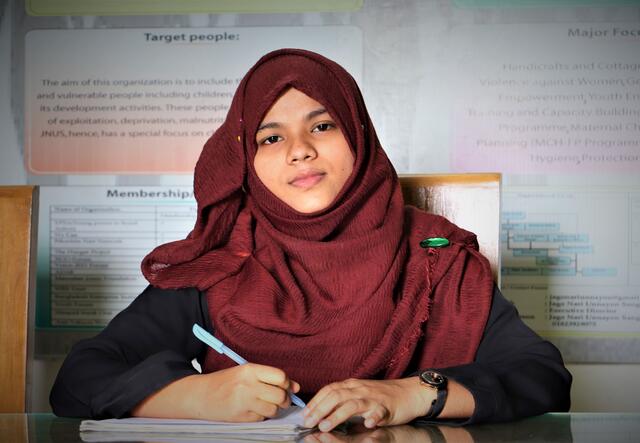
(378, 402)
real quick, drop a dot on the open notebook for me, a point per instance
(286, 426)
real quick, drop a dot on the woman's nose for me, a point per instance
(301, 150)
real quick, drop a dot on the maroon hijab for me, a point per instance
(343, 292)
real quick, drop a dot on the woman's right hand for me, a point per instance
(249, 392)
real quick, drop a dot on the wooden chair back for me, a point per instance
(471, 201)
(18, 228)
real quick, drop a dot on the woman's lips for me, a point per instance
(307, 179)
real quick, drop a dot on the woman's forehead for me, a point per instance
(296, 103)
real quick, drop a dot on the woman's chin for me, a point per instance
(310, 204)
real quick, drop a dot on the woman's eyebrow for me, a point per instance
(315, 113)
(269, 125)
(309, 116)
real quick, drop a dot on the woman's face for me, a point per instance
(302, 156)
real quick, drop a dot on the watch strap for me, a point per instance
(437, 405)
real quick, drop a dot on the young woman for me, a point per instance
(305, 260)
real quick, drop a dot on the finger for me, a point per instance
(376, 416)
(294, 386)
(346, 410)
(349, 384)
(373, 420)
(323, 403)
(316, 399)
(271, 375)
(320, 396)
(264, 408)
(370, 422)
(329, 396)
(274, 394)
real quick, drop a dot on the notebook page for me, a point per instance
(288, 422)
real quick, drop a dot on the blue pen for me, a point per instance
(220, 347)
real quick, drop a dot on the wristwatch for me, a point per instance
(438, 381)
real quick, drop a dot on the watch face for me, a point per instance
(433, 378)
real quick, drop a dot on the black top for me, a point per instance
(149, 344)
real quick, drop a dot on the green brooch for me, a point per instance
(434, 242)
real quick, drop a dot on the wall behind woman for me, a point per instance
(106, 107)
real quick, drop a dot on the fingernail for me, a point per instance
(309, 422)
(324, 425)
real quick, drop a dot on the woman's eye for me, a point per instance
(271, 139)
(323, 127)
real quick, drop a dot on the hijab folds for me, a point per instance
(346, 292)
